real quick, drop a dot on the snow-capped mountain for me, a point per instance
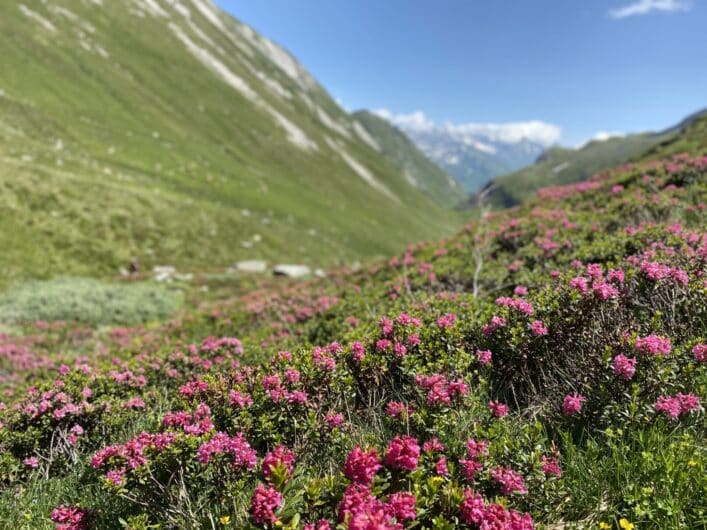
(474, 153)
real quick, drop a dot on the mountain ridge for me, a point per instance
(151, 128)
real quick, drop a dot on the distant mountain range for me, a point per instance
(472, 153)
(172, 133)
(558, 165)
(417, 167)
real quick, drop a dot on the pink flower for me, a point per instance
(240, 400)
(579, 284)
(520, 290)
(243, 456)
(497, 322)
(382, 345)
(653, 345)
(358, 351)
(71, 518)
(395, 409)
(280, 456)
(604, 290)
(615, 275)
(361, 466)
(595, 271)
(476, 513)
(509, 480)
(446, 321)
(700, 352)
(470, 468)
(403, 453)
(669, 405)
(399, 349)
(401, 505)
(433, 445)
(677, 405)
(484, 356)
(263, 503)
(116, 476)
(386, 326)
(31, 461)
(538, 328)
(624, 366)
(572, 404)
(498, 409)
(334, 420)
(441, 467)
(551, 466)
(476, 449)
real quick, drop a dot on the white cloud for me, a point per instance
(535, 131)
(601, 136)
(643, 7)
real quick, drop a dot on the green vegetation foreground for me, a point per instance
(543, 368)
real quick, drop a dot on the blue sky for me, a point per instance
(583, 65)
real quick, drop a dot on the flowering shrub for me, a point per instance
(421, 392)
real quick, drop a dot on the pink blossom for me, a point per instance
(476, 449)
(484, 356)
(433, 445)
(624, 366)
(383, 345)
(700, 352)
(280, 456)
(401, 505)
(669, 405)
(334, 420)
(653, 345)
(572, 404)
(263, 504)
(396, 409)
(509, 480)
(604, 290)
(441, 467)
(470, 467)
(361, 466)
(399, 349)
(71, 518)
(498, 409)
(358, 351)
(580, 284)
(497, 322)
(31, 461)
(403, 453)
(238, 399)
(446, 321)
(478, 514)
(538, 328)
(550, 466)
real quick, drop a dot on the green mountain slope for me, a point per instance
(559, 166)
(689, 136)
(173, 133)
(420, 170)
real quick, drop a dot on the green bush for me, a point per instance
(88, 301)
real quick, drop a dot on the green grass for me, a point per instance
(560, 166)
(88, 301)
(148, 153)
(690, 137)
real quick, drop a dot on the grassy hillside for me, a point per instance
(690, 136)
(173, 133)
(544, 368)
(420, 170)
(558, 166)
